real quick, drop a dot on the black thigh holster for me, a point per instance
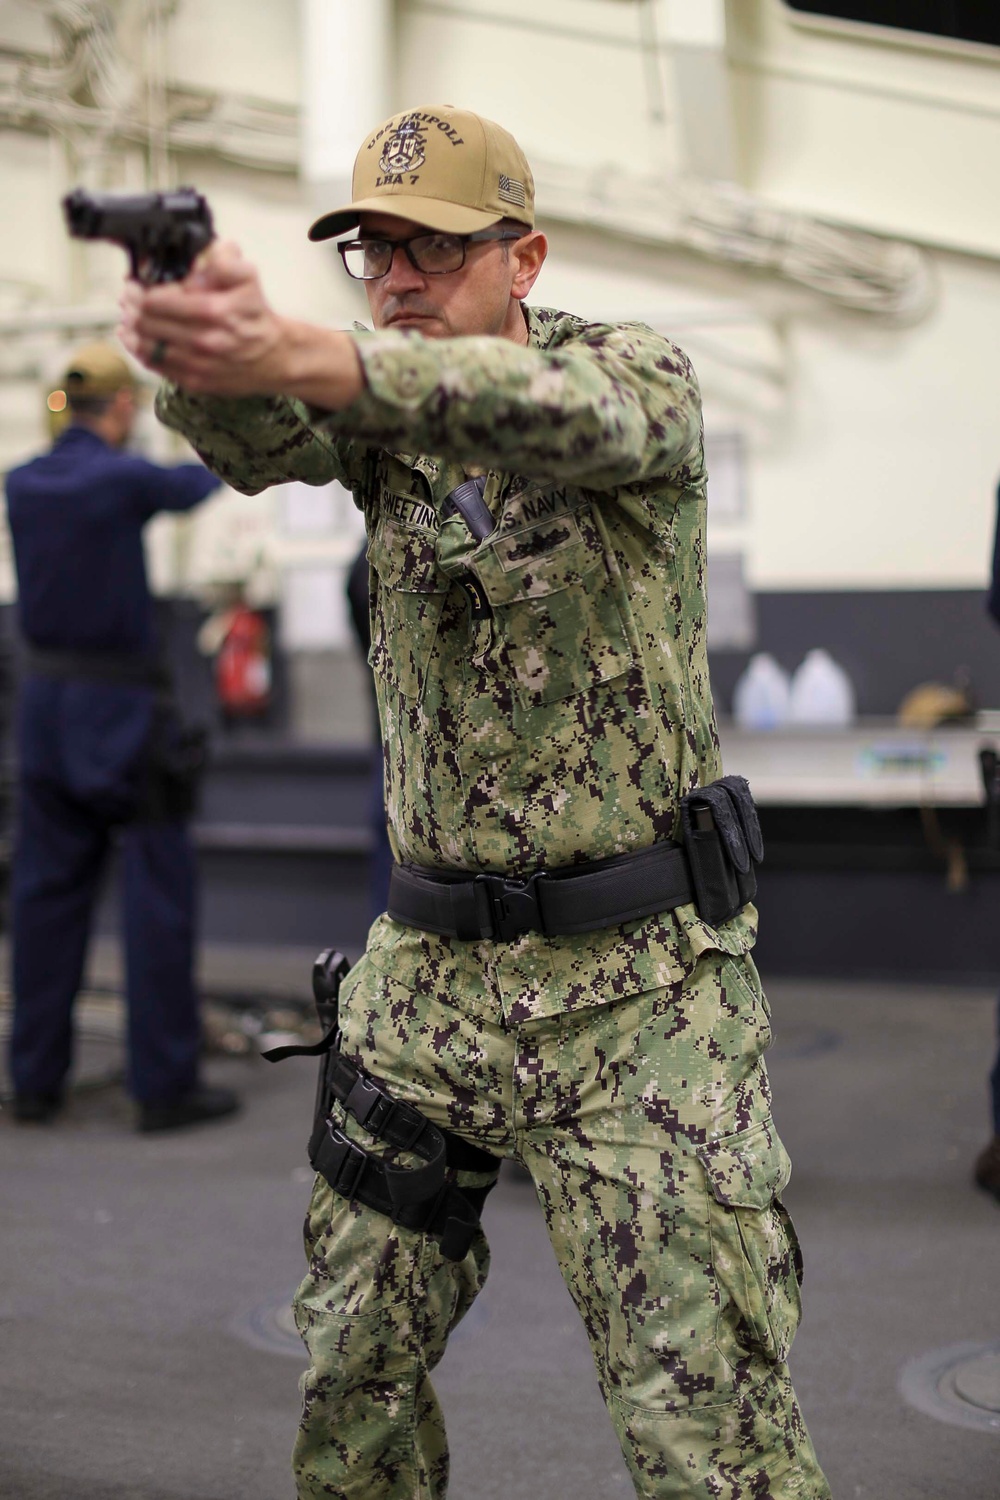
(425, 1198)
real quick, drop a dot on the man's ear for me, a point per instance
(125, 407)
(528, 255)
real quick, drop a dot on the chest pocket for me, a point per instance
(408, 599)
(561, 630)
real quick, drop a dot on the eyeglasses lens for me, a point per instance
(434, 254)
(437, 253)
(366, 261)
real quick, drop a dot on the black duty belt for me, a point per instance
(125, 667)
(570, 899)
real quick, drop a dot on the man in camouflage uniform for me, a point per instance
(544, 701)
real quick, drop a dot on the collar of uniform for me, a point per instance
(543, 325)
(429, 469)
(77, 433)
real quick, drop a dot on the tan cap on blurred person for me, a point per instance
(439, 166)
(94, 373)
(96, 370)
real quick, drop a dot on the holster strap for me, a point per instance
(571, 899)
(451, 1215)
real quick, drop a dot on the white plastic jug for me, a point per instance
(821, 692)
(761, 696)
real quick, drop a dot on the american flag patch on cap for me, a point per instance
(511, 191)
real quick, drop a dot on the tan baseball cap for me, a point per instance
(444, 167)
(96, 370)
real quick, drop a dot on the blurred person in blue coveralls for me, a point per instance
(101, 755)
(987, 1168)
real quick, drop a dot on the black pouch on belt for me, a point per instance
(723, 843)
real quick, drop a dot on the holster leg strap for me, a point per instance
(423, 1198)
(448, 1215)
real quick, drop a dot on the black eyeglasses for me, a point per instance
(435, 254)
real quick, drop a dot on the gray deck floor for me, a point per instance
(143, 1281)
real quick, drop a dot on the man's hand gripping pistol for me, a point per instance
(162, 233)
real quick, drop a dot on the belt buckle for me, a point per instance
(512, 906)
(363, 1101)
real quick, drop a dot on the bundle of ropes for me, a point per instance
(723, 221)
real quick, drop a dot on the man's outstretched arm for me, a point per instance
(608, 411)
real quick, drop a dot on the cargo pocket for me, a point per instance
(560, 627)
(755, 1250)
(409, 598)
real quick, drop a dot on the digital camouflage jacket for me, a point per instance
(544, 694)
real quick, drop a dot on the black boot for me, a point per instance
(37, 1109)
(199, 1107)
(987, 1168)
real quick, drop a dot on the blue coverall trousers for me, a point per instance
(82, 752)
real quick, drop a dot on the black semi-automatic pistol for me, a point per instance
(162, 233)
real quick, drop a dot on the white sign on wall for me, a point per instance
(732, 624)
(319, 510)
(726, 461)
(314, 613)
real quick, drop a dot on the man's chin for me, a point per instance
(430, 327)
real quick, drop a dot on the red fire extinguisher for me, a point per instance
(243, 665)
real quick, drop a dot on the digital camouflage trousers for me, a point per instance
(645, 1124)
